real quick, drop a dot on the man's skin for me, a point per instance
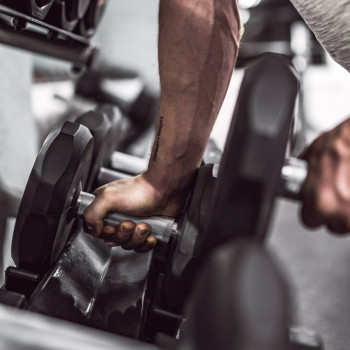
(197, 49)
(327, 187)
(198, 45)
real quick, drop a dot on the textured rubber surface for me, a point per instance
(44, 220)
(104, 125)
(250, 170)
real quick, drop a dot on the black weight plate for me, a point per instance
(76, 8)
(33, 8)
(182, 266)
(92, 18)
(57, 16)
(104, 125)
(101, 130)
(94, 13)
(44, 220)
(241, 301)
(40, 8)
(250, 170)
(116, 118)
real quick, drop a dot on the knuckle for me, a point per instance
(106, 198)
(143, 226)
(88, 217)
(99, 190)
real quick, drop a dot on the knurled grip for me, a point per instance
(163, 227)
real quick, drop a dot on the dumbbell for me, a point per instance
(264, 128)
(50, 202)
(44, 250)
(53, 195)
(249, 177)
(254, 155)
(53, 198)
(92, 18)
(33, 8)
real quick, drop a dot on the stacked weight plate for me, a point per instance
(56, 28)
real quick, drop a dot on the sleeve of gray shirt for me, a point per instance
(330, 21)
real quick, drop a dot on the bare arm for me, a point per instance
(198, 45)
(327, 187)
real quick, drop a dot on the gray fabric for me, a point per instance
(329, 20)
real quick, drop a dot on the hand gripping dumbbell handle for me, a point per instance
(162, 227)
(293, 176)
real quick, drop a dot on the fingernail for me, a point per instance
(142, 232)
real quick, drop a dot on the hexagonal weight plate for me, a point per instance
(250, 170)
(45, 220)
(89, 23)
(104, 125)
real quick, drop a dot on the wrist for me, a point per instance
(169, 181)
(171, 195)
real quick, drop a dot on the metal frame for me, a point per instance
(45, 39)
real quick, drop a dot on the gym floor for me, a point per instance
(316, 262)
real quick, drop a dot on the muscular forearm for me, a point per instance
(198, 44)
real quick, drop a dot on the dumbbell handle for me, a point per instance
(163, 227)
(293, 176)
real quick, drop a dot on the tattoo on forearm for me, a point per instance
(156, 149)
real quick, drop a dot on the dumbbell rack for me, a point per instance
(25, 32)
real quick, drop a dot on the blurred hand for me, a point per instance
(136, 196)
(326, 190)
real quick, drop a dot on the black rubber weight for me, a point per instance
(250, 170)
(76, 8)
(92, 18)
(44, 220)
